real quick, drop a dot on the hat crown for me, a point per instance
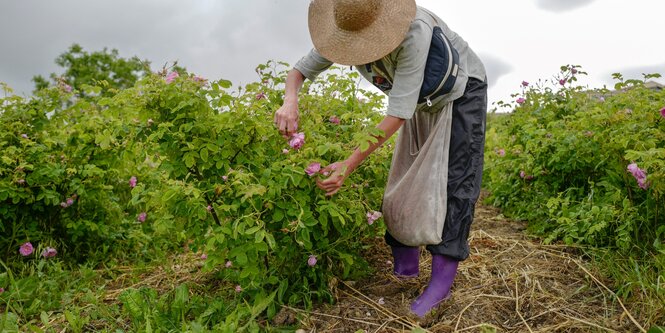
(354, 15)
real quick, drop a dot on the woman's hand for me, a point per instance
(338, 172)
(286, 118)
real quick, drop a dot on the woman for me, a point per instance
(389, 42)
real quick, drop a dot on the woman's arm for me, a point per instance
(286, 118)
(341, 170)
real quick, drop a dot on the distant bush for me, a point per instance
(585, 167)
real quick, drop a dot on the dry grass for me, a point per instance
(510, 283)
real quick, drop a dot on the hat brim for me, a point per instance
(373, 42)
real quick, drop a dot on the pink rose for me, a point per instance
(49, 252)
(313, 169)
(372, 216)
(297, 140)
(26, 249)
(171, 77)
(636, 171)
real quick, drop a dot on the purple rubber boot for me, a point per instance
(406, 261)
(444, 270)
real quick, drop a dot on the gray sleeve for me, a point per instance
(410, 71)
(312, 64)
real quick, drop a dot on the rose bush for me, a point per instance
(177, 161)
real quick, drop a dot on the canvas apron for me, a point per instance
(414, 203)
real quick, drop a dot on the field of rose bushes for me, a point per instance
(172, 203)
(587, 168)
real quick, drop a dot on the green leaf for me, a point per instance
(204, 154)
(252, 190)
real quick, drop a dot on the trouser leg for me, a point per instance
(465, 169)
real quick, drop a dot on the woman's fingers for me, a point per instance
(331, 185)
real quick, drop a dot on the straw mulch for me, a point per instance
(510, 283)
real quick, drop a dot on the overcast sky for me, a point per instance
(517, 40)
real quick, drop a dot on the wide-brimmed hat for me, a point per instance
(357, 32)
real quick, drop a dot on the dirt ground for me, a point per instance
(510, 283)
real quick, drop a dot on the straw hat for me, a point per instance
(357, 32)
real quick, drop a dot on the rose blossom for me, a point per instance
(373, 216)
(171, 77)
(297, 140)
(49, 252)
(636, 171)
(639, 174)
(313, 169)
(26, 249)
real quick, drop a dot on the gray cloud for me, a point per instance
(217, 39)
(559, 6)
(495, 67)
